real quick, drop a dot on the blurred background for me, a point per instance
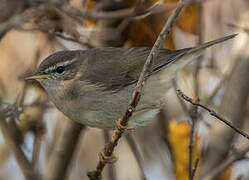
(39, 142)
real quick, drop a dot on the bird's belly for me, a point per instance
(104, 110)
(101, 110)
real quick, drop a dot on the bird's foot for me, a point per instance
(124, 129)
(107, 159)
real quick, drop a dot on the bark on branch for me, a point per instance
(122, 123)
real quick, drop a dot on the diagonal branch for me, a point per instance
(122, 123)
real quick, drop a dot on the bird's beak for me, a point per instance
(37, 76)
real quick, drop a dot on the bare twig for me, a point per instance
(194, 112)
(21, 18)
(163, 121)
(86, 43)
(133, 12)
(182, 103)
(224, 79)
(38, 132)
(123, 121)
(111, 169)
(227, 163)
(63, 151)
(212, 113)
(59, 35)
(195, 167)
(17, 20)
(216, 90)
(233, 106)
(193, 116)
(136, 12)
(135, 151)
(200, 41)
(26, 167)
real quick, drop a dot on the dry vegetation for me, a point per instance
(183, 142)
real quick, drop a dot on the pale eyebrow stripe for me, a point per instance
(65, 64)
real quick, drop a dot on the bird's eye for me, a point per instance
(60, 69)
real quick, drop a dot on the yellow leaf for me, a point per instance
(144, 32)
(90, 5)
(178, 137)
(188, 18)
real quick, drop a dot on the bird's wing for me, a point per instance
(115, 68)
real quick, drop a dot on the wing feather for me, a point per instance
(115, 68)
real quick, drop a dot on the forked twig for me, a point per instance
(212, 113)
(122, 123)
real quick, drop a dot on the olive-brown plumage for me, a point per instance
(94, 86)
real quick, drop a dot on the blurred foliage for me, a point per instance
(144, 32)
(178, 137)
(141, 32)
(189, 17)
(225, 175)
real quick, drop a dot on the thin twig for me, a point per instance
(194, 112)
(17, 20)
(123, 121)
(88, 45)
(195, 167)
(53, 33)
(163, 121)
(38, 132)
(63, 151)
(227, 163)
(136, 12)
(111, 169)
(133, 12)
(24, 164)
(193, 116)
(200, 41)
(212, 113)
(131, 142)
(225, 78)
(182, 103)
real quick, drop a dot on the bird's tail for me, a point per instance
(211, 43)
(185, 56)
(182, 57)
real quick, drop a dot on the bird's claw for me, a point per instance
(107, 159)
(124, 129)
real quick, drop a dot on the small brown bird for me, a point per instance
(94, 86)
